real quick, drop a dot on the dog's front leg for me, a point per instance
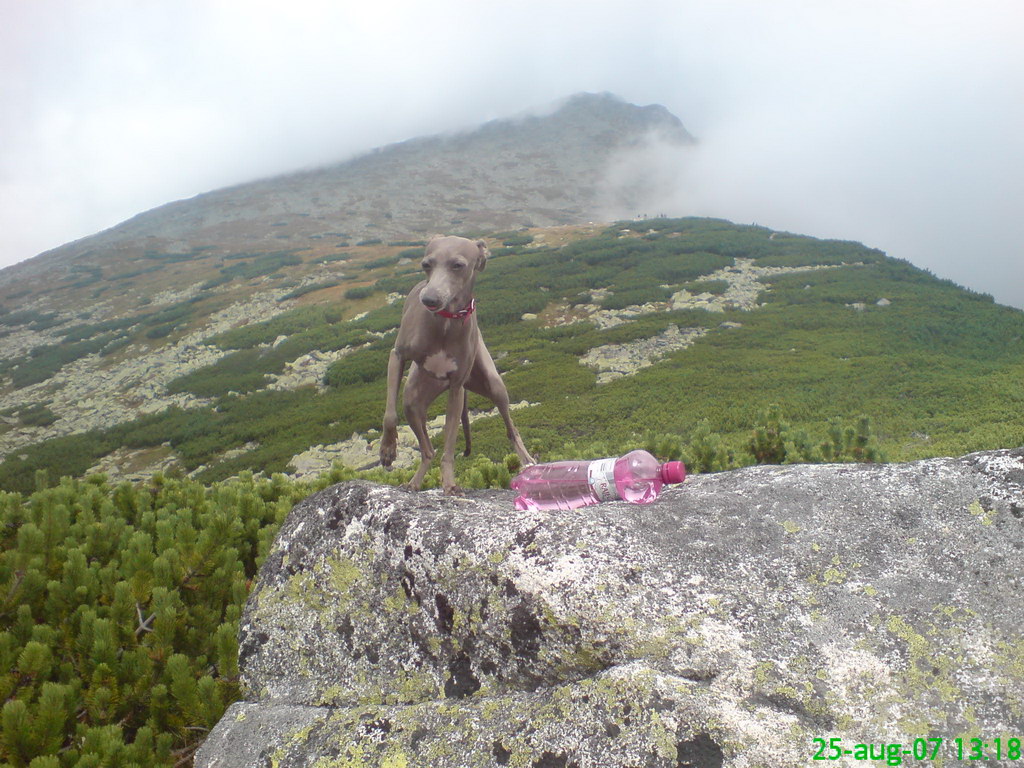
(389, 431)
(452, 417)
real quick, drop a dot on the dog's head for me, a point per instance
(451, 265)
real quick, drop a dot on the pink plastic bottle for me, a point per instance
(637, 477)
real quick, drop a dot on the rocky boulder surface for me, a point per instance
(730, 623)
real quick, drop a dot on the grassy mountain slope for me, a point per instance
(937, 368)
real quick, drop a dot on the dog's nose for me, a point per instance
(430, 301)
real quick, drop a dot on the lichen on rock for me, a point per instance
(730, 623)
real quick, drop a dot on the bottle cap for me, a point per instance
(673, 472)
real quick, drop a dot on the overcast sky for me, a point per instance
(897, 123)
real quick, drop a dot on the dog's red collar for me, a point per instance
(462, 314)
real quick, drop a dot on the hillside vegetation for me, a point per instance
(934, 366)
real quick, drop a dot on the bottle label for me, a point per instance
(601, 476)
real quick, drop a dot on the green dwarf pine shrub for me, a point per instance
(852, 443)
(767, 443)
(120, 613)
(707, 451)
(774, 441)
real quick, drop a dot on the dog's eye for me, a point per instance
(426, 266)
(457, 265)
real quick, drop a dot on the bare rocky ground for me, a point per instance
(307, 370)
(613, 361)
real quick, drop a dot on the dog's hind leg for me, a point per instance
(486, 381)
(465, 423)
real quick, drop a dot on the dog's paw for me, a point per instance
(388, 451)
(454, 491)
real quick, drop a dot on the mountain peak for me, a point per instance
(548, 168)
(610, 107)
(604, 117)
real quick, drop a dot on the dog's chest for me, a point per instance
(440, 364)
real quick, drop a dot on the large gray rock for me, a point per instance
(732, 622)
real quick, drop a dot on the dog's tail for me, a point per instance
(465, 424)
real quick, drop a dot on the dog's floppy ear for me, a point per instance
(484, 253)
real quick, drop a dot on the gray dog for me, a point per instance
(440, 336)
